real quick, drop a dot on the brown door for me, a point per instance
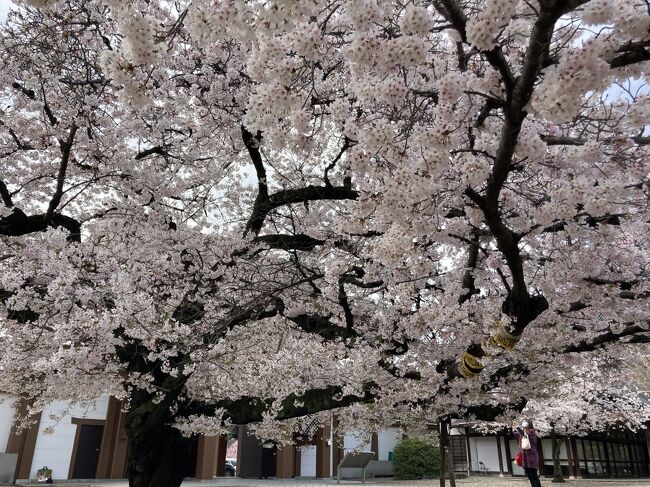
(85, 461)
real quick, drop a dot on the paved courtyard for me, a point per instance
(469, 482)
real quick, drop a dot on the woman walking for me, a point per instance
(527, 440)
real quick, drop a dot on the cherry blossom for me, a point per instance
(230, 212)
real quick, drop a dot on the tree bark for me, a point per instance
(443, 450)
(450, 467)
(557, 469)
(157, 453)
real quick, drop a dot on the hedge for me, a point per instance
(416, 458)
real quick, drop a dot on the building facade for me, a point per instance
(91, 444)
(86, 443)
(600, 454)
(318, 456)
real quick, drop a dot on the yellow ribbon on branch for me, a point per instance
(502, 339)
(470, 366)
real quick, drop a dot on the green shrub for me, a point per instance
(416, 458)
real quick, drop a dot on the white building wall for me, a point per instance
(55, 450)
(386, 441)
(308, 461)
(6, 419)
(484, 450)
(356, 440)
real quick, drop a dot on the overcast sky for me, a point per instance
(4, 8)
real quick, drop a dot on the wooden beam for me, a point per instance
(23, 443)
(285, 457)
(206, 457)
(323, 453)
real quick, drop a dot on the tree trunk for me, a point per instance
(443, 449)
(557, 468)
(157, 454)
(444, 458)
(450, 466)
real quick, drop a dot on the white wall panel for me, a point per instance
(484, 450)
(356, 440)
(6, 419)
(55, 450)
(308, 461)
(387, 439)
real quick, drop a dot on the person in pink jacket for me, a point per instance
(530, 456)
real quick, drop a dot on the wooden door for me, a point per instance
(87, 451)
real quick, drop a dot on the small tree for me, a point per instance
(416, 458)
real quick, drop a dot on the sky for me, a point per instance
(4, 8)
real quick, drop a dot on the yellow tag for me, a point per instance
(465, 372)
(470, 366)
(472, 361)
(505, 340)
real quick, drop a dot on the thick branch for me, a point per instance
(250, 410)
(322, 326)
(468, 277)
(345, 304)
(631, 53)
(6, 196)
(18, 224)
(608, 337)
(263, 207)
(290, 242)
(565, 140)
(66, 147)
(252, 143)
(160, 150)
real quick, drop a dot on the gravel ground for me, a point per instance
(468, 482)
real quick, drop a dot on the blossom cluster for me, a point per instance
(483, 29)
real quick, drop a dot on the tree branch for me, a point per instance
(18, 223)
(631, 53)
(453, 13)
(6, 196)
(252, 143)
(608, 337)
(160, 150)
(566, 140)
(262, 207)
(347, 143)
(468, 277)
(290, 242)
(66, 147)
(322, 326)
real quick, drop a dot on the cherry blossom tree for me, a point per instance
(602, 397)
(228, 212)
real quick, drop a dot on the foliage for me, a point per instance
(233, 212)
(416, 458)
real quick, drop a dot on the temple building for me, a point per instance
(91, 444)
